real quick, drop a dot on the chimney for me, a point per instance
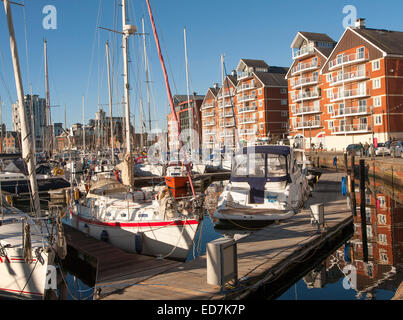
(215, 86)
(360, 23)
(233, 73)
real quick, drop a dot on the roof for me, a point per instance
(325, 51)
(255, 63)
(388, 41)
(274, 78)
(313, 36)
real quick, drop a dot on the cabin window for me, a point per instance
(276, 166)
(257, 165)
(240, 165)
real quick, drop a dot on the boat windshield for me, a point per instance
(252, 165)
(240, 165)
(276, 166)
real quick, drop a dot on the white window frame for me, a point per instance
(284, 113)
(330, 109)
(376, 83)
(376, 65)
(283, 90)
(284, 102)
(260, 103)
(330, 124)
(377, 101)
(381, 219)
(382, 238)
(377, 119)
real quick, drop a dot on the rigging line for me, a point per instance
(3, 78)
(93, 46)
(26, 44)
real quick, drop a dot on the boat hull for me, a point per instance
(19, 280)
(22, 186)
(167, 239)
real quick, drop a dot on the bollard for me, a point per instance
(222, 262)
(318, 214)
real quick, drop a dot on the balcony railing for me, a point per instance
(231, 93)
(246, 86)
(308, 124)
(245, 120)
(227, 124)
(350, 111)
(349, 77)
(228, 114)
(224, 134)
(247, 109)
(302, 52)
(243, 75)
(209, 123)
(351, 128)
(348, 59)
(209, 132)
(350, 94)
(302, 82)
(226, 104)
(207, 106)
(308, 95)
(304, 67)
(208, 114)
(247, 132)
(307, 110)
(247, 98)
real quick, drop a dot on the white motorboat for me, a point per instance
(267, 183)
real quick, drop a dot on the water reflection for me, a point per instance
(369, 265)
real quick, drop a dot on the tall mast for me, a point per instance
(147, 78)
(47, 111)
(26, 138)
(84, 124)
(110, 98)
(187, 91)
(127, 31)
(223, 100)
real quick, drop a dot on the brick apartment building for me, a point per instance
(356, 96)
(251, 105)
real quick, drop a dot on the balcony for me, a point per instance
(247, 132)
(243, 75)
(349, 77)
(226, 105)
(308, 124)
(231, 93)
(306, 51)
(350, 94)
(246, 109)
(308, 95)
(346, 60)
(228, 124)
(352, 129)
(249, 97)
(208, 114)
(226, 134)
(209, 132)
(304, 67)
(209, 123)
(351, 111)
(303, 82)
(247, 86)
(307, 110)
(229, 114)
(207, 106)
(245, 120)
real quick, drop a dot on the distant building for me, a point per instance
(39, 120)
(10, 142)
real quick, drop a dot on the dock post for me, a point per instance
(363, 212)
(352, 187)
(345, 163)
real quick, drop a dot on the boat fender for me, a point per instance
(343, 186)
(104, 236)
(138, 242)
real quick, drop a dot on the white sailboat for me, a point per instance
(26, 253)
(148, 221)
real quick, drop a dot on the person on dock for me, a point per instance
(366, 149)
(335, 162)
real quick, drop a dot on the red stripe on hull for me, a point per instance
(137, 224)
(19, 291)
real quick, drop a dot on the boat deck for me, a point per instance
(262, 256)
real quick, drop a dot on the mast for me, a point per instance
(84, 125)
(127, 31)
(49, 132)
(187, 91)
(223, 100)
(27, 152)
(110, 99)
(147, 77)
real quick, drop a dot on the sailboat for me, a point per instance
(27, 251)
(150, 220)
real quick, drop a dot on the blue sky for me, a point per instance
(254, 29)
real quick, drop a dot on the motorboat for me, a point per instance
(268, 183)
